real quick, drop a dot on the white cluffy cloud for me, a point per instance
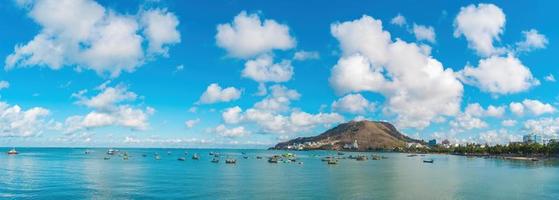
(239, 131)
(278, 100)
(535, 107)
(273, 114)
(516, 108)
(475, 109)
(295, 122)
(17, 122)
(84, 34)
(509, 122)
(464, 121)
(232, 115)
(532, 40)
(107, 99)
(547, 127)
(214, 94)
(192, 122)
(490, 137)
(110, 107)
(4, 84)
(499, 75)
(471, 117)
(248, 36)
(424, 33)
(353, 103)
(306, 55)
(481, 25)
(417, 87)
(160, 29)
(263, 69)
(399, 20)
(550, 78)
(501, 136)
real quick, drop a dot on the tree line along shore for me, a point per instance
(518, 151)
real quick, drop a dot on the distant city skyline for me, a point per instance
(249, 74)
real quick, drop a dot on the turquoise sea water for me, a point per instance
(68, 173)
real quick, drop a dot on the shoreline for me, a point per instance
(493, 156)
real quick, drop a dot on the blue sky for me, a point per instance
(252, 73)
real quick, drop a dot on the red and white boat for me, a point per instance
(12, 151)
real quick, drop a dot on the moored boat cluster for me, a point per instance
(287, 157)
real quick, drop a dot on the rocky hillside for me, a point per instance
(370, 135)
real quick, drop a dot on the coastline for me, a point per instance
(517, 157)
(492, 156)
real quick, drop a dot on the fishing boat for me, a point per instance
(258, 157)
(245, 157)
(12, 151)
(428, 161)
(341, 153)
(181, 159)
(327, 158)
(111, 152)
(289, 156)
(376, 157)
(230, 161)
(211, 153)
(195, 157)
(215, 160)
(361, 158)
(412, 155)
(106, 158)
(157, 157)
(332, 161)
(273, 160)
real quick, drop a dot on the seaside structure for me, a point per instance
(432, 142)
(550, 141)
(446, 144)
(532, 138)
(306, 145)
(414, 145)
(353, 145)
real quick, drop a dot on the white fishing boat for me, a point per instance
(111, 152)
(12, 151)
